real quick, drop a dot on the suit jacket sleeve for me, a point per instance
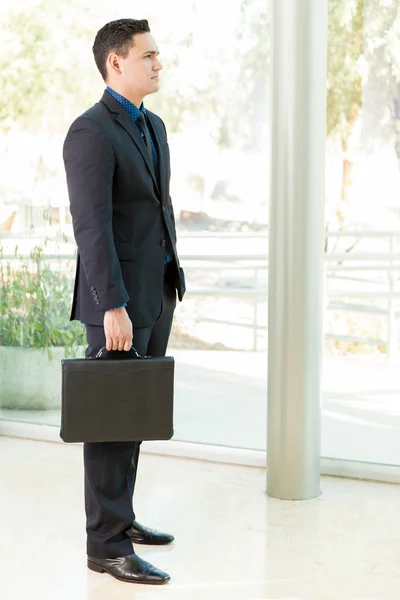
(89, 164)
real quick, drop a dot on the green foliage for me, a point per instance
(35, 305)
(381, 102)
(363, 66)
(39, 65)
(345, 49)
(52, 65)
(24, 70)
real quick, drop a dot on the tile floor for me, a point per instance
(232, 541)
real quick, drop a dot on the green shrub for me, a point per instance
(35, 302)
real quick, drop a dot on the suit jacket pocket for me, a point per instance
(125, 250)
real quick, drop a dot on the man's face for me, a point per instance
(140, 69)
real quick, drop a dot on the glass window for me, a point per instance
(214, 101)
(361, 384)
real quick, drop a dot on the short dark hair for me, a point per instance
(116, 36)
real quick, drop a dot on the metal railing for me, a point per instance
(346, 262)
(337, 263)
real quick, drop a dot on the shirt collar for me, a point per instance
(131, 109)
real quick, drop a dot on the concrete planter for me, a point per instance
(29, 380)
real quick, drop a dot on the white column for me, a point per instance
(296, 242)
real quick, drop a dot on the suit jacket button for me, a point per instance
(92, 288)
(97, 301)
(163, 243)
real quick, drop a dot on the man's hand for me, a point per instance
(118, 329)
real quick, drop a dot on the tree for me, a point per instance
(344, 85)
(363, 78)
(381, 89)
(37, 80)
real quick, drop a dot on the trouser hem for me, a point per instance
(115, 550)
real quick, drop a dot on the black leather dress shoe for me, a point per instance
(131, 569)
(140, 534)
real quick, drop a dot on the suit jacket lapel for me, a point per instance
(158, 134)
(133, 131)
(124, 119)
(161, 156)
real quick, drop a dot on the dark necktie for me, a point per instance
(142, 121)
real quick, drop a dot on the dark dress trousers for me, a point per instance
(121, 217)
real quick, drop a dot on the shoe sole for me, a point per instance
(148, 543)
(99, 569)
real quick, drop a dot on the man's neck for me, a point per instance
(136, 99)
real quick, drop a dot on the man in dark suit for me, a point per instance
(127, 277)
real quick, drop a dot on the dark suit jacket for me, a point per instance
(119, 215)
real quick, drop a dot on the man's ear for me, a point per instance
(113, 62)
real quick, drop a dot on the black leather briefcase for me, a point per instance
(108, 399)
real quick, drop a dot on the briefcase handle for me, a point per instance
(104, 349)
